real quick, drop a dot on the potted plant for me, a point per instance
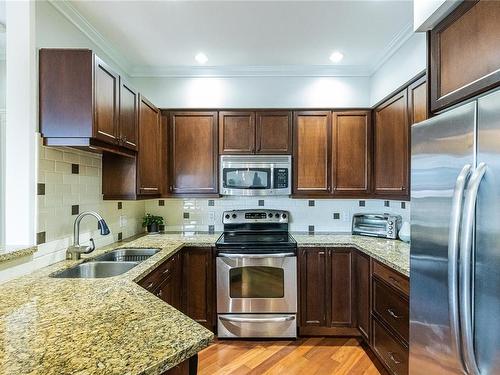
(152, 223)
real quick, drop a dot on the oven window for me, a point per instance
(256, 282)
(247, 178)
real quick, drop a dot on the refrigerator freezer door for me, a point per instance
(486, 289)
(441, 147)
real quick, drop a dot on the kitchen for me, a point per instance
(185, 190)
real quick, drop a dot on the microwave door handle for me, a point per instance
(256, 256)
(465, 274)
(453, 240)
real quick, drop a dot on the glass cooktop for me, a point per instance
(256, 240)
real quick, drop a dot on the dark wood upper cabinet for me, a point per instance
(236, 132)
(464, 55)
(149, 174)
(198, 293)
(351, 153)
(311, 153)
(417, 100)
(340, 287)
(128, 118)
(193, 153)
(80, 98)
(273, 132)
(391, 147)
(106, 93)
(313, 277)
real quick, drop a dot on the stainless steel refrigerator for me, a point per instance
(455, 241)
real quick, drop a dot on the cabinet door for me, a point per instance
(149, 157)
(311, 153)
(417, 100)
(129, 99)
(236, 132)
(313, 295)
(198, 280)
(351, 153)
(273, 132)
(106, 84)
(362, 294)
(193, 159)
(340, 287)
(391, 159)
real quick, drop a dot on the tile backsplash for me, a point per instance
(323, 215)
(69, 182)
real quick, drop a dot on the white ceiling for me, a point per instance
(158, 36)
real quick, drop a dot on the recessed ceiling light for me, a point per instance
(336, 56)
(201, 58)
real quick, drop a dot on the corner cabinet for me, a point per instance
(80, 99)
(255, 132)
(193, 159)
(149, 173)
(392, 148)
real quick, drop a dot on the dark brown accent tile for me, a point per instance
(120, 236)
(40, 238)
(186, 215)
(40, 189)
(75, 168)
(336, 216)
(362, 203)
(75, 209)
(261, 202)
(312, 203)
(161, 202)
(211, 202)
(120, 205)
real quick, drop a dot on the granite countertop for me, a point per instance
(112, 325)
(8, 253)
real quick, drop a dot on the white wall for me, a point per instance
(256, 92)
(409, 60)
(428, 13)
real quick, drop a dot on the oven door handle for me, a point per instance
(238, 319)
(256, 256)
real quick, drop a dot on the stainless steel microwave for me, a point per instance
(255, 175)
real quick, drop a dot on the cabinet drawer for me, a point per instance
(391, 308)
(389, 350)
(152, 281)
(392, 277)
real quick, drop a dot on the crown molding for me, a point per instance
(252, 71)
(69, 11)
(72, 14)
(397, 41)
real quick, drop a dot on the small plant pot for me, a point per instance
(161, 228)
(152, 228)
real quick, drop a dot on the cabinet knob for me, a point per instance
(393, 314)
(321, 253)
(393, 358)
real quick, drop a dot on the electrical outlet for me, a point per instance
(123, 221)
(211, 216)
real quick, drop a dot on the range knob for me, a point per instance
(277, 216)
(283, 216)
(227, 216)
(233, 216)
(270, 215)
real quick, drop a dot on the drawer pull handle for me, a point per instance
(394, 358)
(393, 280)
(167, 270)
(150, 285)
(393, 314)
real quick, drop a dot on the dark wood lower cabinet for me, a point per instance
(392, 353)
(362, 293)
(187, 367)
(198, 280)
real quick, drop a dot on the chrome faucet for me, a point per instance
(75, 252)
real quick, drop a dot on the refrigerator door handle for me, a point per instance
(453, 241)
(465, 286)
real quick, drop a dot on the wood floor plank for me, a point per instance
(305, 356)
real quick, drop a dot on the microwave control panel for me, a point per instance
(281, 178)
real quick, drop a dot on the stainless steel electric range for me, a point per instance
(256, 275)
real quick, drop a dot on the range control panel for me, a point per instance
(255, 216)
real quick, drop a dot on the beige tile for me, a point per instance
(53, 154)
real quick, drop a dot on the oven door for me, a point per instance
(257, 283)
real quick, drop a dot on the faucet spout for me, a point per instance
(74, 252)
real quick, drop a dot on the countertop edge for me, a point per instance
(18, 253)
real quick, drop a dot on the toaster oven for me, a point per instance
(376, 225)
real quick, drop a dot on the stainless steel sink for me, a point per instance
(95, 270)
(127, 255)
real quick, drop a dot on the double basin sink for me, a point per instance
(109, 264)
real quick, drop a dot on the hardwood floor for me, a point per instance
(316, 355)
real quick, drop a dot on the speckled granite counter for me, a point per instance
(96, 326)
(393, 253)
(8, 253)
(112, 325)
